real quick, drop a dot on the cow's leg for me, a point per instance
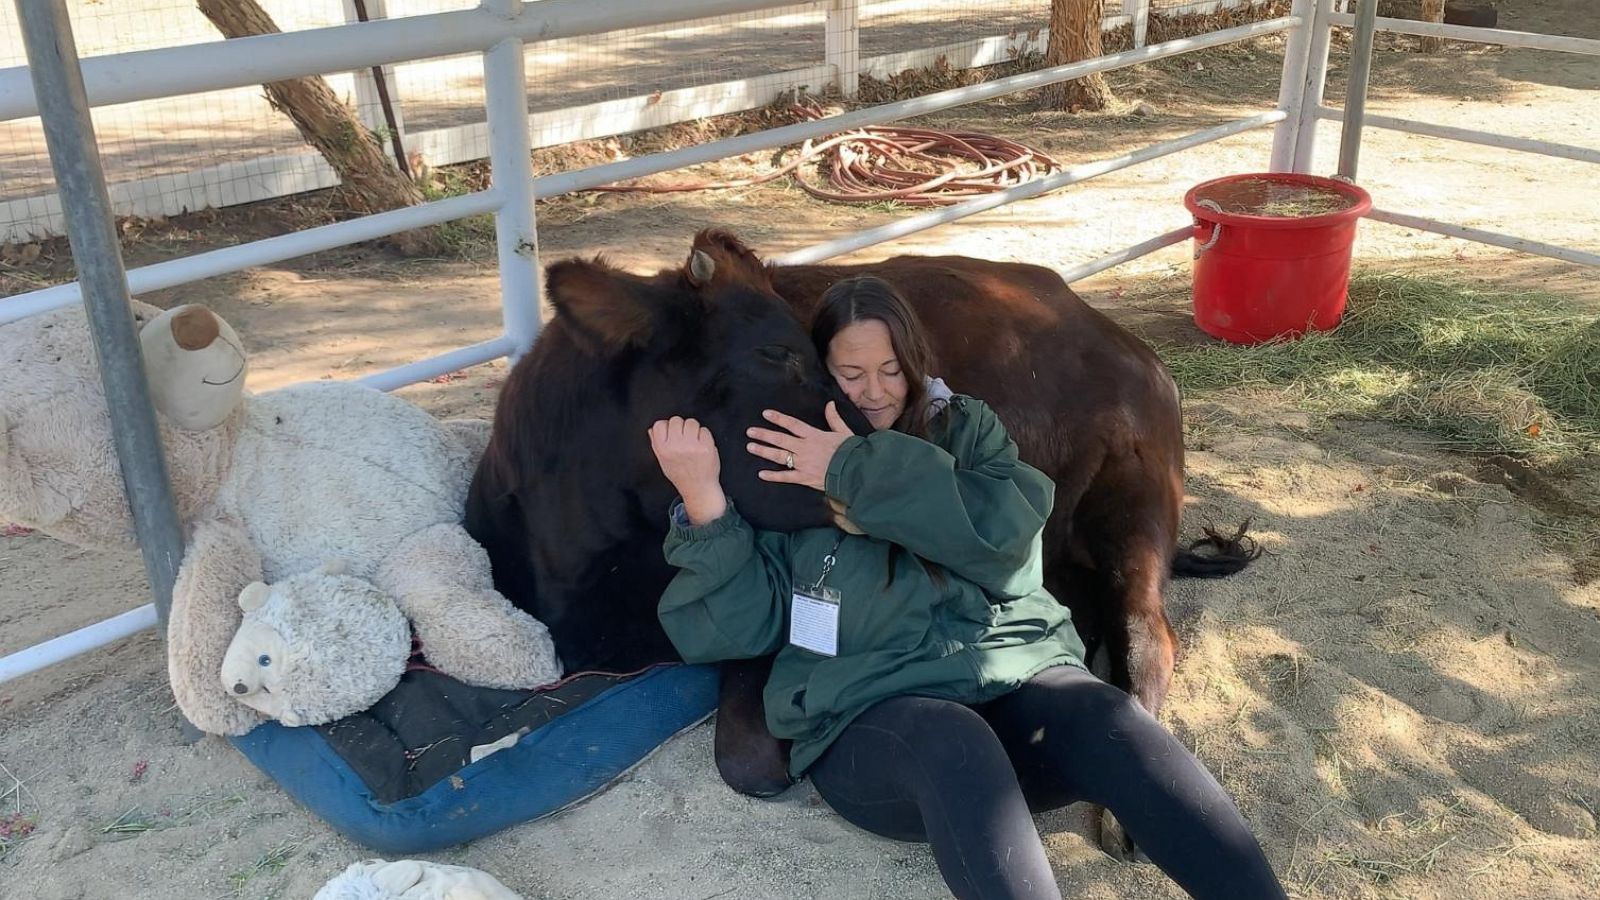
(1130, 518)
(1138, 648)
(1142, 643)
(749, 758)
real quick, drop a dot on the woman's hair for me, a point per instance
(863, 297)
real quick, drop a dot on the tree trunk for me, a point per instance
(1432, 11)
(371, 181)
(1075, 36)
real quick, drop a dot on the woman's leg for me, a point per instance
(916, 769)
(1073, 737)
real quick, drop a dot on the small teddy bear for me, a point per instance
(315, 647)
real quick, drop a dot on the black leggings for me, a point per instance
(963, 779)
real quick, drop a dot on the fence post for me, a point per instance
(1355, 99)
(1139, 12)
(91, 231)
(377, 96)
(1316, 81)
(505, 85)
(1291, 87)
(843, 45)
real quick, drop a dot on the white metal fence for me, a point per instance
(498, 31)
(169, 155)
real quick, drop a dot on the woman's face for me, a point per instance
(861, 358)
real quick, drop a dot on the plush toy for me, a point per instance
(315, 647)
(411, 879)
(269, 486)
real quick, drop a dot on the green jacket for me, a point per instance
(970, 628)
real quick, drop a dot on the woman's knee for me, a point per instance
(1087, 715)
(938, 734)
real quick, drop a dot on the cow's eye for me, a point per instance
(777, 354)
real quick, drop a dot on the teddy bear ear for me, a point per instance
(254, 596)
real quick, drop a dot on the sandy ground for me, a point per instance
(1401, 694)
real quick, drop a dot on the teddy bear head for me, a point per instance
(315, 647)
(58, 465)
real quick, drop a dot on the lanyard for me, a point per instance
(828, 563)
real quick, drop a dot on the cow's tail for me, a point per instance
(1216, 555)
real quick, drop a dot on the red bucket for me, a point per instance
(1272, 253)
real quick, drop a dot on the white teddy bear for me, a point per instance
(315, 647)
(269, 486)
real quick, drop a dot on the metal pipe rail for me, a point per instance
(226, 260)
(173, 272)
(1469, 136)
(1355, 118)
(249, 61)
(552, 185)
(1480, 236)
(231, 259)
(1523, 39)
(1082, 172)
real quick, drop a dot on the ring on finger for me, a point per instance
(789, 460)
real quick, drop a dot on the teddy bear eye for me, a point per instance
(264, 660)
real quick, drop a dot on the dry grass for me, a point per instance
(1484, 371)
(16, 825)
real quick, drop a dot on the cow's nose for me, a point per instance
(239, 688)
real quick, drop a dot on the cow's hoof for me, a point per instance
(759, 774)
(1115, 841)
(757, 784)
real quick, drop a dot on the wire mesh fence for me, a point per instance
(221, 148)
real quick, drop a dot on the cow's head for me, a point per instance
(714, 341)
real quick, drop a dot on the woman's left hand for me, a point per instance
(803, 451)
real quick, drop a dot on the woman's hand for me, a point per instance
(688, 457)
(803, 451)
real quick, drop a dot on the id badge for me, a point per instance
(814, 620)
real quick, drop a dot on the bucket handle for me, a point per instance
(1216, 227)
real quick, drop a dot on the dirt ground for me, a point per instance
(1401, 694)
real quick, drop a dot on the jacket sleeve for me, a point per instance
(974, 508)
(729, 598)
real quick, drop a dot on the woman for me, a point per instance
(934, 691)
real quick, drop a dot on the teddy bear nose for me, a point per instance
(239, 688)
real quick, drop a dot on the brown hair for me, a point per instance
(862, 297)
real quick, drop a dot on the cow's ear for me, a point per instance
(717, 255)
(609, 310)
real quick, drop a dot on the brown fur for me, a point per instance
(598, 301)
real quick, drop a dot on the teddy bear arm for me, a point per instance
(441, 579)
(219, 561)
